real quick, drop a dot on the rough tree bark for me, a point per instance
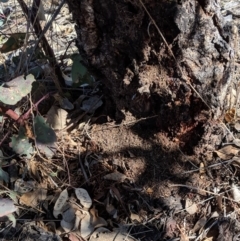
(190, 93)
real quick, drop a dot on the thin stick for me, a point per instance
(5, 137)
(213, 165)
(202, 190)
(47, 27)
(58, 80)
(81, 165)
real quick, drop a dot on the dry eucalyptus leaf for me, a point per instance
(34, 169)
(67, 226)
(57, 118)
(235, 192)
(231, 97)
(42, 191)
(86, 227)
(199, 224)
(6, 207)
(237, 126)
(116, 176)
(99, 233)
(21, 186)
(96, 220)
(60, 203)
(183, 235)
(235, 161)
(215, 214)
(69, 215)
(73, 237)
(228, 152)
(190, 206)
(170, 227)
(29, 199)
(104, 234)
(136, 217)
(236, 142)
(79, 217)
(83, 197)
(230, 115)
(209, 238)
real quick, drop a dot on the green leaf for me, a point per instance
(54, 174)
(48, 150)
(4, 176)
(20, 144)
(16, 89)
(80, 74)
(13, 219)
(45, 137)
(7, 207)
(15, 41)
(44, 133)
(13, 196)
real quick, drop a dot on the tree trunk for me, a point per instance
(190, 91)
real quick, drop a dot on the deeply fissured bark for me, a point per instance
(119, 41)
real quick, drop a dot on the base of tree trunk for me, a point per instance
(188, 92)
